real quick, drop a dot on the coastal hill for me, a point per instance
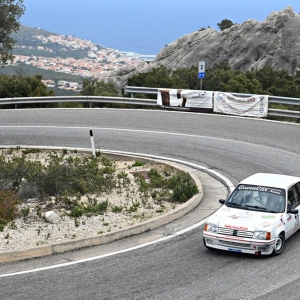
(64, 60)
(252, 44)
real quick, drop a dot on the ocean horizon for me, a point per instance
(143, 27)
(121, 31)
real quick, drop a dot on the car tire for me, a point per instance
(279, 244)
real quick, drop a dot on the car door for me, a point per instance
(292, 221)
(297, 205)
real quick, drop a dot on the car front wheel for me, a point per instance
(279, 244)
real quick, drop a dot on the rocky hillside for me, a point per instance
(252, 44)
(274, 41)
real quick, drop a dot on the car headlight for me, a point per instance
(210, 227)
(262, 235)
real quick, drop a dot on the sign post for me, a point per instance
(201, 72)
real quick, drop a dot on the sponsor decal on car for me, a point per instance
(242, 215)
(236, 227)
(268, 217)
(264, 224)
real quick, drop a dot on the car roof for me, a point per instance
(271, 180)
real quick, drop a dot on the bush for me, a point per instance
(8, 206)
(76, 212)
(183, 188)
(138, 163)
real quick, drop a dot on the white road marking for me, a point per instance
(109, 254)
(148, 131)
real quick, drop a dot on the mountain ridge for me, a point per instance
(252, 44)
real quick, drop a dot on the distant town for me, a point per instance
(97, 61)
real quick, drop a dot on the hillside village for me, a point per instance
(97, 61)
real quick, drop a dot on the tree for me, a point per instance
(224, 24)
(241, 84)
(159, 77)
(188, 77)
(218, 76)
(97, 87)
(10, 13)
(29, 86)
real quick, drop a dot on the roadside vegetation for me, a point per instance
(76, 182)
(265, 81)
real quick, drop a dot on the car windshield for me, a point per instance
(260, 198)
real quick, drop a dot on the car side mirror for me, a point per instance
(293, 211)
(222, 201)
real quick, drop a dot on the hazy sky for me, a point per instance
(143, 25)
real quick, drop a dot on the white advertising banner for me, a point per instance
(185, 98)
(254, 106)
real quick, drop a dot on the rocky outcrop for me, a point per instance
(120, 76)
(252, 44)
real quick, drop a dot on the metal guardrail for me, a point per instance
(272, 99)
(85, 99)
(145, 102)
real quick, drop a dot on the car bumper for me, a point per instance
(237, 244)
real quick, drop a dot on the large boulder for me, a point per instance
(52, 217)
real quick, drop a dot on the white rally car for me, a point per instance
(258, 216)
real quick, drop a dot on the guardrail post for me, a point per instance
(92, 142)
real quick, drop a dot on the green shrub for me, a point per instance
(31, 150)
(106, 162)
(2, 224)
(184, 190)
(156, 179)
(76, 212)
(117, 209)
(138, 163)
(8, 206)
(96, 208)
(134, 206)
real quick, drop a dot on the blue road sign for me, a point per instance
(201, 75)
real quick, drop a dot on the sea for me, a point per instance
(142, 27)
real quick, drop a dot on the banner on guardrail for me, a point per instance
(185, 98)
(254, 106)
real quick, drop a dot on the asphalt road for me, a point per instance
(180, 267)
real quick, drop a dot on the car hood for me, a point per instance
(241, 219)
